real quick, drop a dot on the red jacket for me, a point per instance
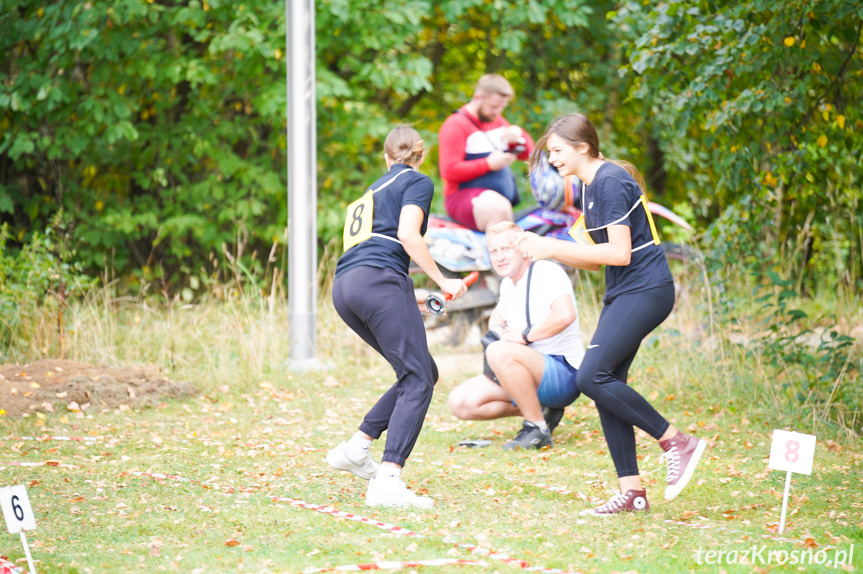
(464, 143)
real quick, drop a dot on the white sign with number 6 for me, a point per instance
(792, 452)
(16, 509)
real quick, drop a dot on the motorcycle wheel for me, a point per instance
(461, 324)
(680, 252)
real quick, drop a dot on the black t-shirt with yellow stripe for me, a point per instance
(607, 200)
(386, 252)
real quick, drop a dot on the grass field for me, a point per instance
(235, 481)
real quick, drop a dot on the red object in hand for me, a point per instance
(468, 281)
(436, 302)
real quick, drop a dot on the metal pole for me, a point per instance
(302, 181)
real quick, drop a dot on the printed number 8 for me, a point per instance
(17, 510)
(357, 220)
(791, 448)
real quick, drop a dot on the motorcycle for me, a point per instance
(458, 250)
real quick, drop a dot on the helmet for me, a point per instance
(547, 184)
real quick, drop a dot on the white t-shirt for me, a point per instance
(548, 282)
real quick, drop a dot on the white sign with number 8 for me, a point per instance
(792, 452)
(16, 509)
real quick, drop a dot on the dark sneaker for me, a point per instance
(632, 501)
(552, 417)
(682, 453)
(530, 436)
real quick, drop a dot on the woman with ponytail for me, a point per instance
(639, 296)
(374, 295)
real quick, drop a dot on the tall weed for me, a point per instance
(819, 368)
(757, 357)
(36, 284)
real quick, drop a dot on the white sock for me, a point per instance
(541, 424)
(390, 471)
(359, 442)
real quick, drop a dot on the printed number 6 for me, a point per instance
(791, 448)
(16, 509)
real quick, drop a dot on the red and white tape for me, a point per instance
(393, 528)
(395, 565)
(581, 496)
(7, 567)
(162, 476)
(206, 484)
(44, 463)
(489, 553)
(557, 489)
(47, 438)
(341, 514)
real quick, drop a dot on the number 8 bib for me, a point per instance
(358, 223)
(360, 215)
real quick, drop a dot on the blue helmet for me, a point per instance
(547, 184)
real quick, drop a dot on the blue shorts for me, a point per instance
(557, 388)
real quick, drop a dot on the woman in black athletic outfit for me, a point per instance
(374, 295)
(639, 296)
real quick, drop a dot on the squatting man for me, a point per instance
(531, 368)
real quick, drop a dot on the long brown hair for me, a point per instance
(576, 129)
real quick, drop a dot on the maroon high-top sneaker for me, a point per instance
(682, 453)
(632, 501)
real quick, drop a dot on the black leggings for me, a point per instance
(623, 324)
(379, 305)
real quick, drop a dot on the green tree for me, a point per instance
(159, 126)
(755, 106)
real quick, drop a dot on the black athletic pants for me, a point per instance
(380, 306)
(623, 323)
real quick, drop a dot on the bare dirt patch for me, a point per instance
(55, 384)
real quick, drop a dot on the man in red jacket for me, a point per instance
(477, 146)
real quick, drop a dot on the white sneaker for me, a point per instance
(391, 491)
(339, 459)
